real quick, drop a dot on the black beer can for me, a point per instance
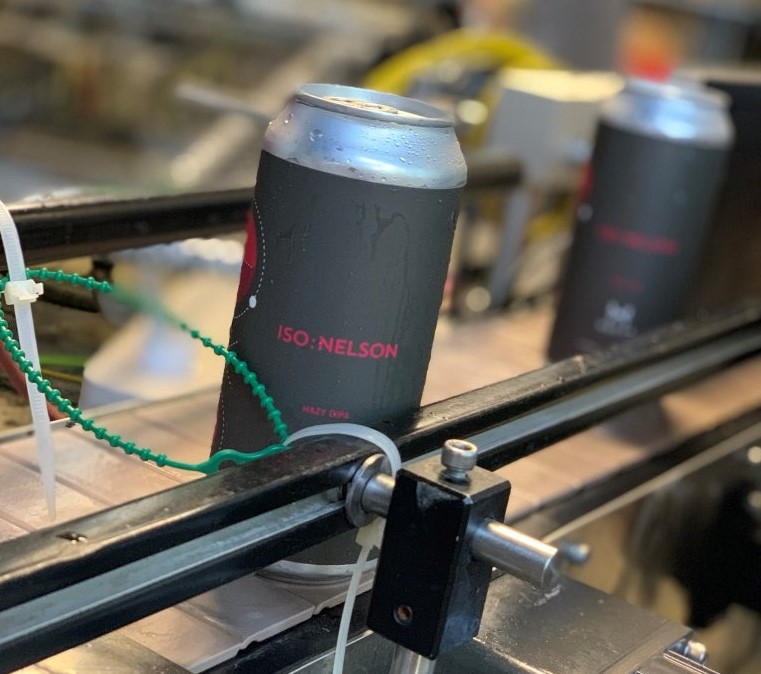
(348, 242)
(644, 214)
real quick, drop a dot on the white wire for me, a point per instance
(28, 341)
(381, 441)
(351, 595)
(387, 446)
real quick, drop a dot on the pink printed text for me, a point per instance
(338, 346)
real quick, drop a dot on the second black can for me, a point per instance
(643, 215)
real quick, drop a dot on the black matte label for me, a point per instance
(338, 300)
(639, 236)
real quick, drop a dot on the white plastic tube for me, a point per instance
(381, 441)
(369, 540)
(25, 322)
(351, 595)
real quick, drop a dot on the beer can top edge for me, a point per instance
(375, 105)
(683, 90)
(678, 111)
(353, 133)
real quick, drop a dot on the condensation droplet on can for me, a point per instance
(315, 134)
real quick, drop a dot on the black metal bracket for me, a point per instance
(429, 591)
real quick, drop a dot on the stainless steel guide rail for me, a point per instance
(63, 227)
(58, 227)
(68, 584)
(536, 409)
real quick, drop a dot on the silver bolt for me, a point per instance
(692, 650)
(458, 458)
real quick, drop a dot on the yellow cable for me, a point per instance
(472, 49)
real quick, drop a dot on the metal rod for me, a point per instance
(58, 228)
(80, 612)
(501, 546)
(376, 496)
(54, 229)
(516, 553)
(514, 418)
(551, 423)
(406, 661)
(48, 560)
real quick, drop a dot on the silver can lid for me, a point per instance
(678, 110)
(372, 105)
(680, 90)
(368, 135)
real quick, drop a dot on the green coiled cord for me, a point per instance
(210, 465)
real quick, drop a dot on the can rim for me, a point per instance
(712, 75)
(382, 106)
(688, 91)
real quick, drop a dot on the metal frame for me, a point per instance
(58, 228)
(313, 640)
(54, 229)
(68, 584)
(519, 416)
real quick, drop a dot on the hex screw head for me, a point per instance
(458, 458)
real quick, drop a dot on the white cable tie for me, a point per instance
(22, 291)
(371, 535)
(383, 443)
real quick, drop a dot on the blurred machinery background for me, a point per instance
(101, 81)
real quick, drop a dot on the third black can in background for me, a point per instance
(643, 215)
